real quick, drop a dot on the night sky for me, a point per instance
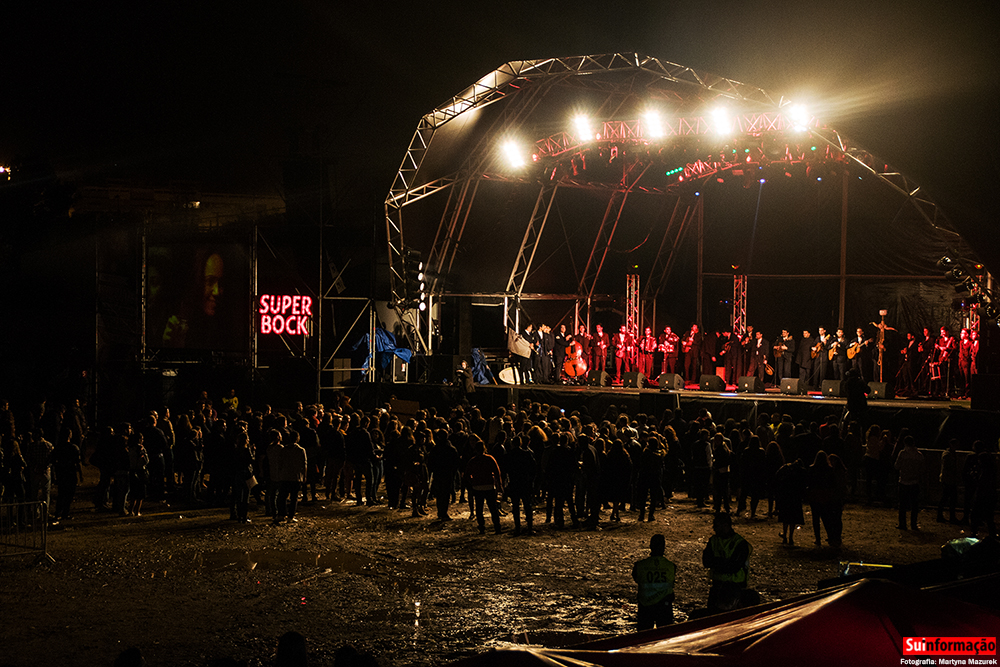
(221, 93)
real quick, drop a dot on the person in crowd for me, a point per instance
(727, 556)
(949, 477)
(138, 473)
(522, 471)
(68, 469)
(654, 576)
(485, 482)
(789, 489)
(910, 464)
(289, 467)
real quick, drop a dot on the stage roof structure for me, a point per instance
(551, 179)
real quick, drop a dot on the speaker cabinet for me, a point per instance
(670, 382)
(985, 392)
(400, 369)
(711, 383)
(833, 389)
(634, 380)
(596, 378)
(750, 384)
(880, 390)
(792, 386)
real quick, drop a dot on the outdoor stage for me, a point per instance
(933, 422)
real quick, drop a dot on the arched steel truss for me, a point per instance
(521, 87)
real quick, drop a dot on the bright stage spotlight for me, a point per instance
(721, 121)
(512, 151)
(652, 124)
(799, 116)
(583, 128)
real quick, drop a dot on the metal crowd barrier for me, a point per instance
(24, 529)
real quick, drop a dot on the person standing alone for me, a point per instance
(655, 577)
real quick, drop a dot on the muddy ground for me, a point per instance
(188, 586)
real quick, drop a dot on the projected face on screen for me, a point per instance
(214, 267)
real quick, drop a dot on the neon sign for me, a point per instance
(285, 314)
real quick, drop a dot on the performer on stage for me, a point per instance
(943, 349)
(862, 359)
(584, 339)
(729, 352)
(599, 345)
(670, 347)
(624, 352)
(691, 347)
(562, 340)
(974, 354)
(964, 362)
(548, 343)
(838, 348)
(804, 358)
(647, 346)
(925, 357)
(746, 352)
(821, 360)
(909, 367)
(784, 350)
(529, 334)
(759, 356)
(520, 356)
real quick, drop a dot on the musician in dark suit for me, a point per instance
(548, 343)
(759, 354)
(529, 334)
(584, 339)
(691, 347)
(804, 358)
(647, 346)
(729, 352)
(821, 364)
(745, 352)
(839, 347)
(559, 353)
(784, 350)
(862, 361)
(599, 347)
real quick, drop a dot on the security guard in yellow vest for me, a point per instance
(727, 554)
(655, 577)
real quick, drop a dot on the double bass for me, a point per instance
(575, 365)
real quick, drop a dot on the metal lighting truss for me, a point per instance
(739, 305)
(521, 86)
(632, 305)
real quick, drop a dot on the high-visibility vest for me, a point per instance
(655, 577)
(725, 548)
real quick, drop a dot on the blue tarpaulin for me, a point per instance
(481, 373)
(385, 347)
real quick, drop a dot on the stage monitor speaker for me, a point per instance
(792, 386)
(670, 382)
(596, 378)
(832, 389)
(750, 384)
(711, 383)
(880, 390)
(984, 389)
(634, 380)
(400, 369)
